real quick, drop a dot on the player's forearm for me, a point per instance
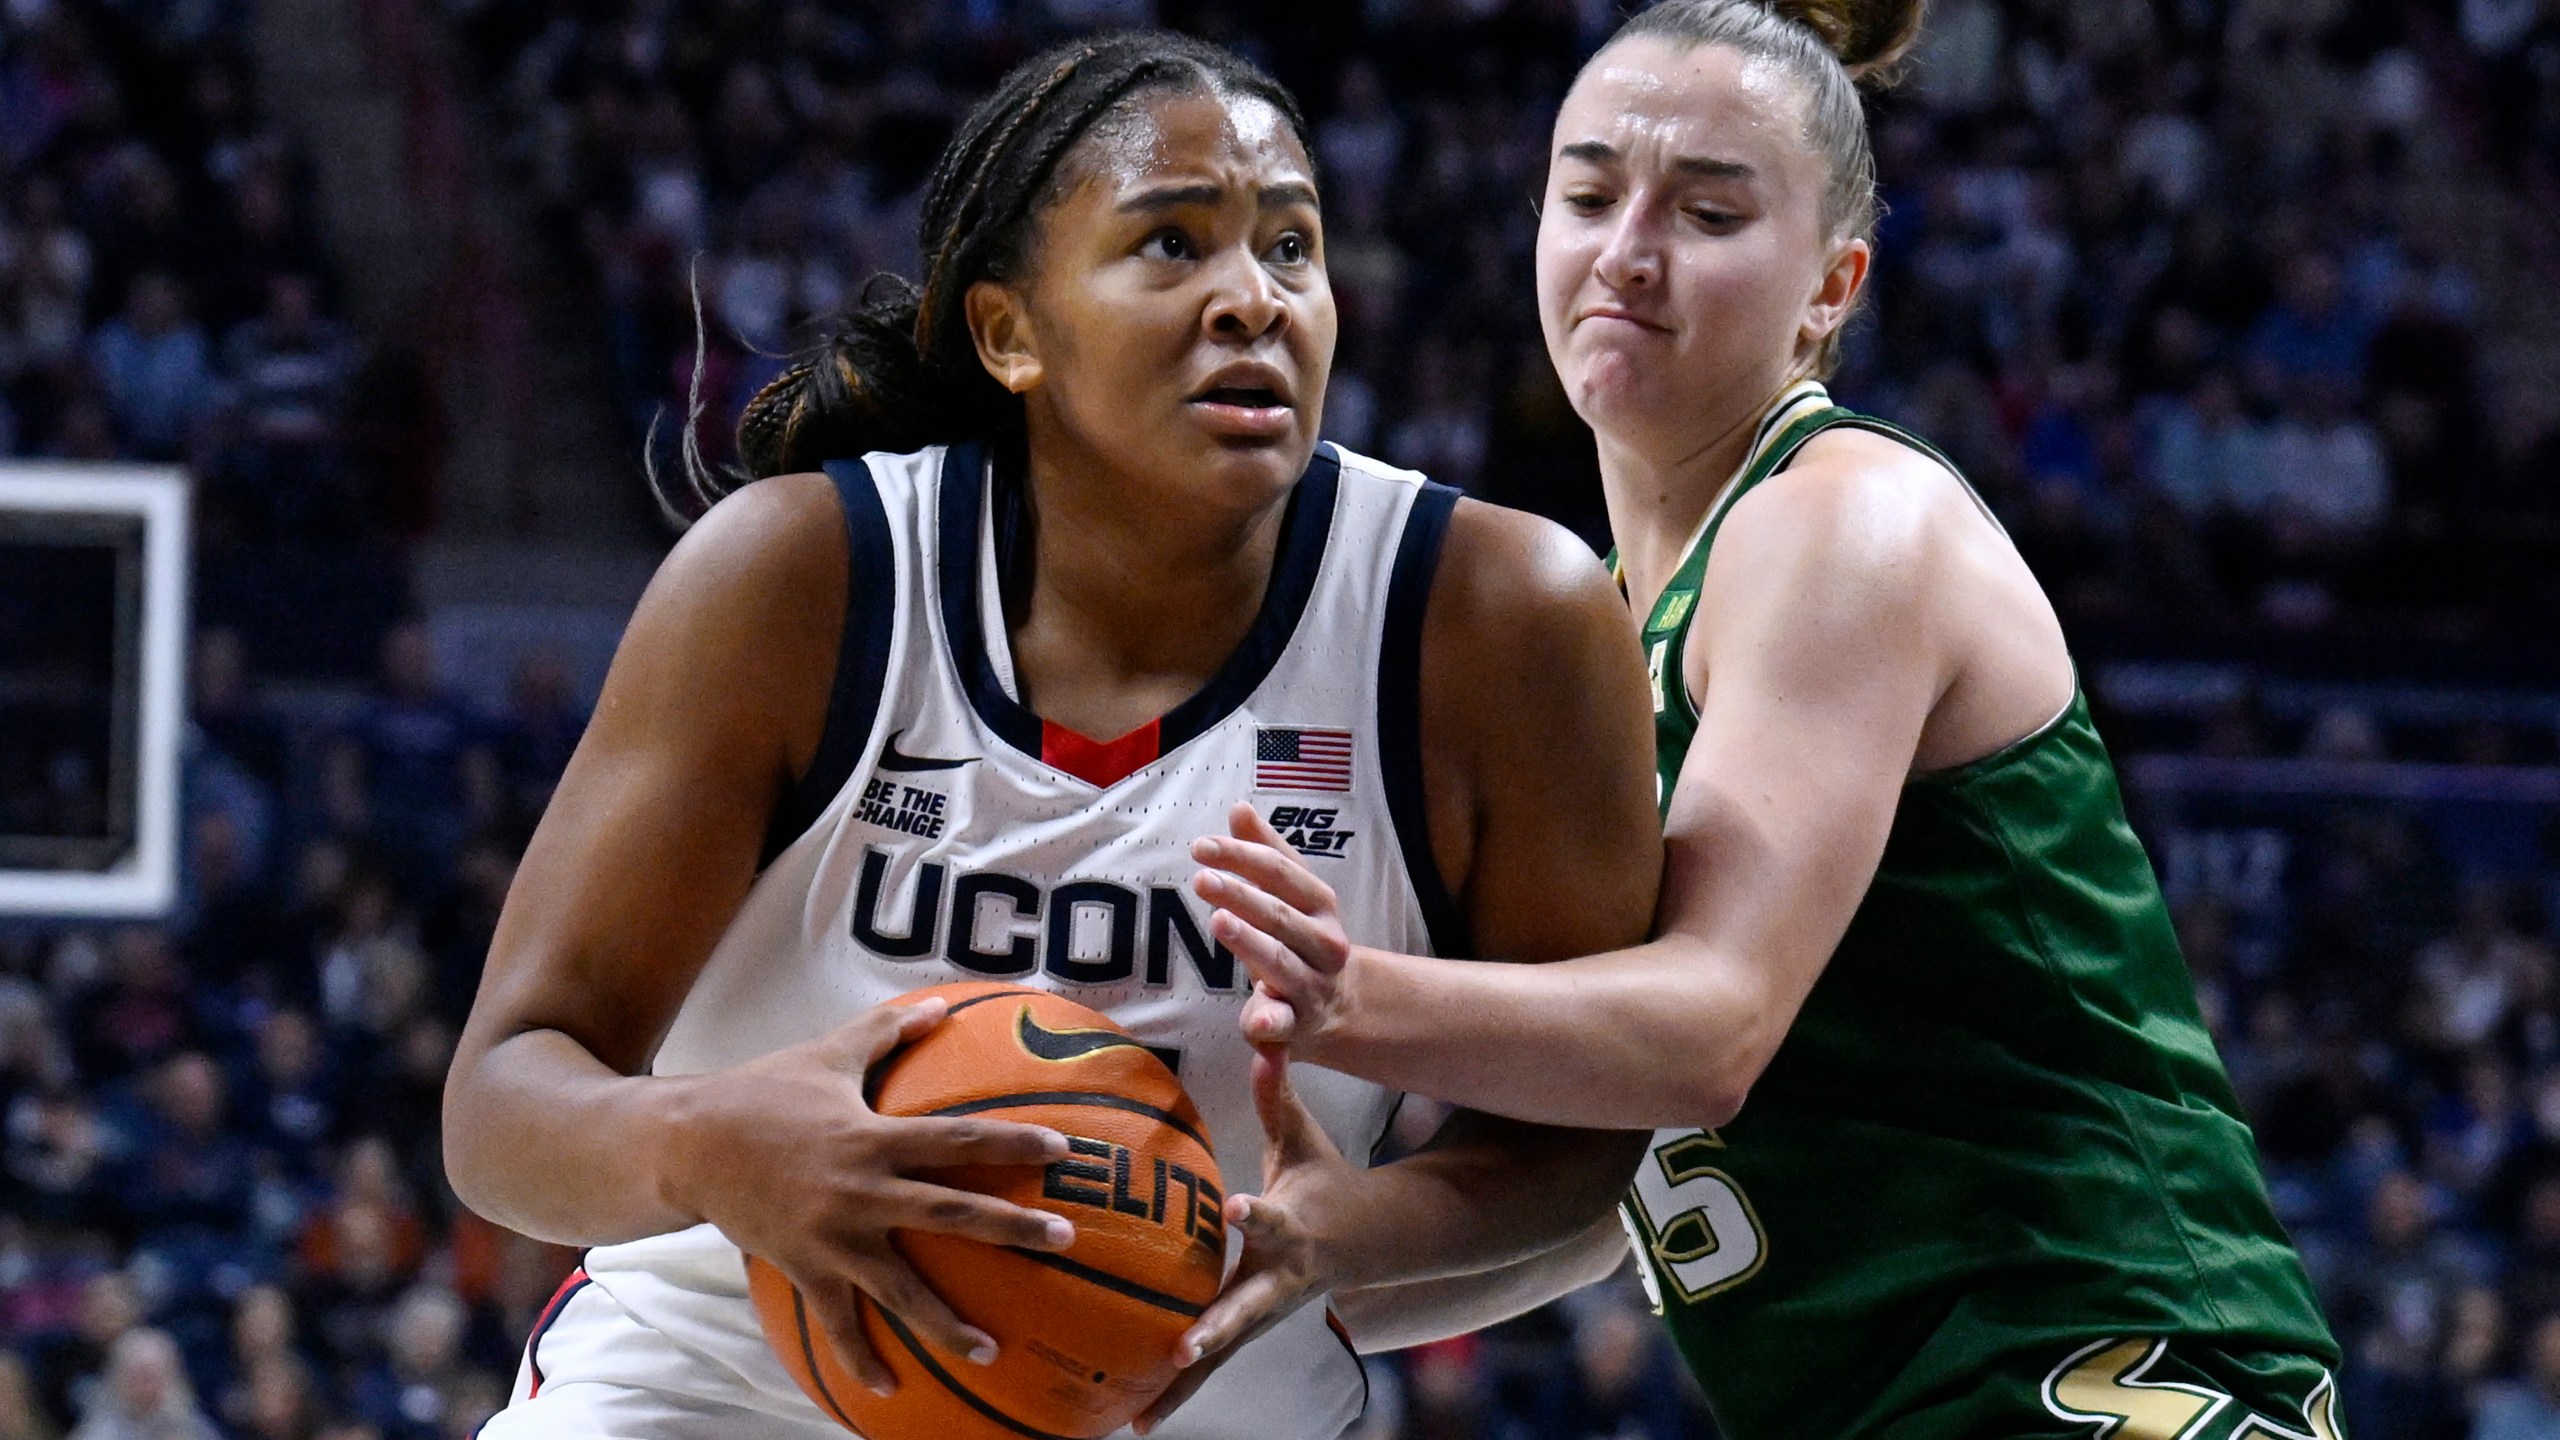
(1485, 1194)
(1662, 1034)
(547, 1140)
(1393, 1317)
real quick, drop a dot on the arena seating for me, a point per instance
(2188, 288)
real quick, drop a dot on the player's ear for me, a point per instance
(1835, 294)
(1001, 326)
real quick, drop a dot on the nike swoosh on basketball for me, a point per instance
(891, 758)
(1049, 1044)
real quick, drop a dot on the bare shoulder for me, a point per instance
(1538, 730)
(1527, 639)
(1868, 569)
(1859, 517)
(744, 614)
(1508, 579)
(765, 541)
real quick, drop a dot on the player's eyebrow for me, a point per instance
(1175, 197)
(1601, 152)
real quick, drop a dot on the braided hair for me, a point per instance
(901, 370)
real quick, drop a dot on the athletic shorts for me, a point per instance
(593, 1370)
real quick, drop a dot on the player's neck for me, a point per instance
(1660, 486)
(1132, 607)
(1658, 496)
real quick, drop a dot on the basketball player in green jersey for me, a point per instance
(1946, 1151)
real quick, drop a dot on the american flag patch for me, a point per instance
(1289, 757)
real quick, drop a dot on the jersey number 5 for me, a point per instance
(1690, 1223)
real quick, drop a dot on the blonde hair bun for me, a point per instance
(1871, 37)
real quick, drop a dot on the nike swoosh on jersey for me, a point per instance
(1049, 1044)
(891, 758)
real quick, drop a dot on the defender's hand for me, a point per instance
(1285, 924)
(1288, 1258)
(787, 1158)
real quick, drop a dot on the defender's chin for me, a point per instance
(1611, 392)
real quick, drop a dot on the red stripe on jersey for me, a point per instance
(1101, 762)
(576, 1282)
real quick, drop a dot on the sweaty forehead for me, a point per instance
(1651, 99)
(1188, 134)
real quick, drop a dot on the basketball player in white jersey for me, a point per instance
(1069, 489)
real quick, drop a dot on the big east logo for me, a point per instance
(1309, 830)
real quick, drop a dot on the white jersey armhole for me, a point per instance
(991, 593)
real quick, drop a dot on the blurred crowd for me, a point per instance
(2188, 285)
(164, 293)
(2183, 283)
(221, 1200)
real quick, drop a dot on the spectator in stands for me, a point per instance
(418, 1389)
(187, 1179)
(145, 1394)
(142, 1015)
(401, 1086)
(225, 705)
(140, 215)
(2313, 333)
(262, 237)
(541, 727)
(2533, 1263)
(1361, 146)
(1623, 1382)
(44, 298)
(291, 1100)
(2529, 1408)
(412, 774)
(156, 367)
(370, 1237)
(371, 968)
(33, 1059)
(1443, 432)
(2328, 481)
(276, 1399)
(349, 1301)
(1446, 1391)
(2205, 453)
(67, 1364)
(263, 1329)
(287, 373)
(22, 1415)
(288, 368)
(57, 1158)
(229, 931)
(2396, 1312)
(2473, 1133)
(2471, 981)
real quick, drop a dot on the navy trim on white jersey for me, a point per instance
(862, 657)
(951, 852)
(1400, 712)
(1305, 526)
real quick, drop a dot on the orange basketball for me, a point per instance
(1086, 1334)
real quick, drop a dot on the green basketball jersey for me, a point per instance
(1997, 1161)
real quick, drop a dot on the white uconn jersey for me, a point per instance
(946, 832)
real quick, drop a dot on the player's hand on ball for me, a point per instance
(1282, 920)
(1307, 1189)
(784, 1155)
